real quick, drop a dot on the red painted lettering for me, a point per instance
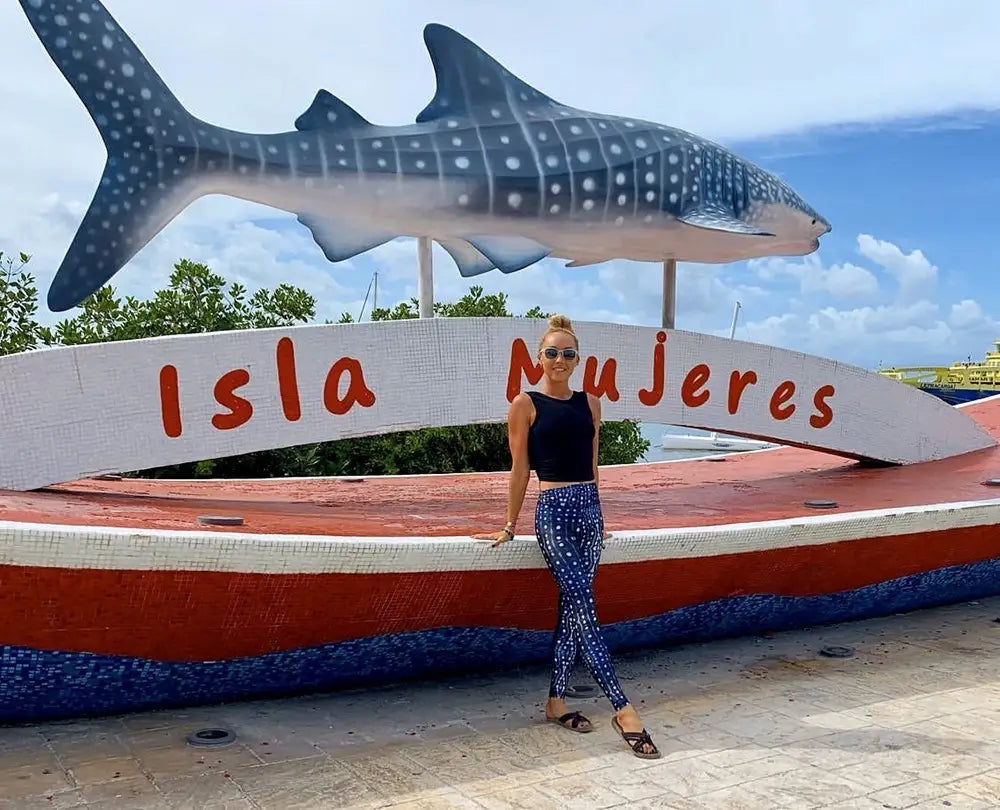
(170, 402)
(357, 392)
(738, 382)
(521, 363)
(784, 392)
(695, 379)
(603, 386)
(652, 395)
(288, 385)
(240, 409)
(825, 415)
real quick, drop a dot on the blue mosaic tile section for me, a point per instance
(39, 684)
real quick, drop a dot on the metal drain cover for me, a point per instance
(211, 736)
(821, 504)
(580, 690)
(221, 520)
(991, 482)
(837, 652)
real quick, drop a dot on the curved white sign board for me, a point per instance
(67, 413)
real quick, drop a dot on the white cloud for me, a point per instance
(840, 280)
(915, 275)
(909, 327)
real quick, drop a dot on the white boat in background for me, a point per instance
(715, 442)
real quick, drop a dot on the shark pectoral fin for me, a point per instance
(586, 261)
(468, 77)
(341, 239)
(509, 253)
(469, 260)
(329, 112)
(716, 218)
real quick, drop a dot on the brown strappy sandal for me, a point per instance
(572, 721)
(636, 740)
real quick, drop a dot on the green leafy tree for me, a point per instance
(19, 331)
(195, 300)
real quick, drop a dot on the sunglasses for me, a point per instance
(551, 352)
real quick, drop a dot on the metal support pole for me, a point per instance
(669, 292)
(425, 279)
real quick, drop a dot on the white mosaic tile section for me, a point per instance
(71, 412)
(27, 544)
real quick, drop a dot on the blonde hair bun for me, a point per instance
(560, 322)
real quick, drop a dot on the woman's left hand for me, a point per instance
(496, 538)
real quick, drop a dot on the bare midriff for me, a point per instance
(556, 484)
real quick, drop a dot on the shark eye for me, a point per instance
(814, 222)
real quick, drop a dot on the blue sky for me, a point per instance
(897, 150)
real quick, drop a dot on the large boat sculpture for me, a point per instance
(124, 594)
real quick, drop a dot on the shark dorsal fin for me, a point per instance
(469, 78)
(329, 112)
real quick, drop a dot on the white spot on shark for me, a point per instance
(60, 20)
(583, 155)
(640, 143)
(588, 204)
(673, 196)
(615, 149)
(620, 178)
(551, 161)
(456, 141)
(514, 200)
(622, 199)
(463, 199)
(556, 188)
(513, 163)
(462, 162)
(650, 177)
(554, 209)
(107, 42)
(589, 184)
(128, 71)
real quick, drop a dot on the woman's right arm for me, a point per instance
(518, 422)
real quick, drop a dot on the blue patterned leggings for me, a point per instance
(570, 530)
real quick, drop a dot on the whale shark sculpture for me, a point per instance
(498, 173)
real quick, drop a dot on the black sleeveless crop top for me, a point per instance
(561, 439)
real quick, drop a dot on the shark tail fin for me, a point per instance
(152, 142)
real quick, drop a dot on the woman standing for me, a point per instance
(556, 432)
